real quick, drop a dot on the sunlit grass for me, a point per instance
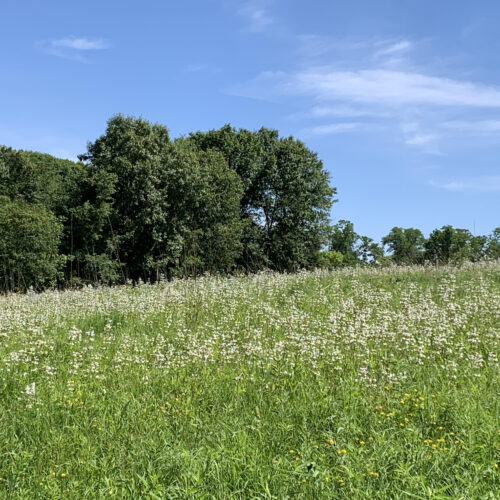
(355, 384)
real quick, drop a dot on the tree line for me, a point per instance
(141, 206)
(406, 246)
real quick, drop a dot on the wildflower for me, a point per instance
(330, 441)
(342, 452)
(30, 389)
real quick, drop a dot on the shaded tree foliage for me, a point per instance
(492, 249)
(29, 244)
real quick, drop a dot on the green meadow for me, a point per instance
(357, 383)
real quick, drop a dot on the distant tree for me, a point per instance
(369, 251)
(478, 247)
(492, 247)
(344, 239)
(406, 245)
(450, 244)
(29, 241)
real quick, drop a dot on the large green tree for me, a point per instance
(172, 208)
(286, 196)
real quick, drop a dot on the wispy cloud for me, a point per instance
(312, 47)
(331, 129)
(72, 47)
(478, 126)
(376, 87)
(323, 111)
(393, 48)
(391, 88)
(483, 184)
(256, 15)
(421, 139)
(81, 43)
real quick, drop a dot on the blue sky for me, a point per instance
(400, 99)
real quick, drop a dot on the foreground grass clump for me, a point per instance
(355, 384)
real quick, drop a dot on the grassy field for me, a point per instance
(352, 384)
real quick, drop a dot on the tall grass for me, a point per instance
(355, 384)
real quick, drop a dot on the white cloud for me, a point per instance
(331, 129)
(421, 139)
(483, 184)
(377, 87)
(81, 43)
(375, 84)
(393, 88)
(344, 111)
(72, 47)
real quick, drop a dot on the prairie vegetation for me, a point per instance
(358, 383)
